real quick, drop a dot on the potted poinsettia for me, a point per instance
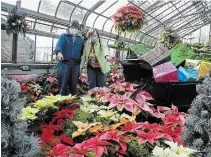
(129, 19)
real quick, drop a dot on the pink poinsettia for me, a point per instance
(121, 102)
(122, 87)
(150, 137)
(51, 79)
(98, 90)
(84, 78)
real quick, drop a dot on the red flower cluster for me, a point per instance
(129, 18)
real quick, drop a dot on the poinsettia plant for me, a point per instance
(103, 122)
(129, 18)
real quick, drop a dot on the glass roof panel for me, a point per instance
(58, 29)
(104, 6)
(114, 8)
(43, 26)
(48, 7)
(13, 2)
(33, 5)
(88, 3)
(75, 1)
(91, 19)
(99, 22)
(134, 35)
(64, 11)
(78, 14)
(108, 26)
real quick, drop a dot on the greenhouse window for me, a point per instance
(26, 48)
(88, 4)
(65, 11)
(78, 14)
(44, 49)
(33, 5)
(48, 7)
(13, 2)
(43, 26)
(6, 47)
(90, 20)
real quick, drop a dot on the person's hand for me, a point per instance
(108, 58)
(81, 74)
(60, 57)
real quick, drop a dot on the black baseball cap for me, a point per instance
(75, 23)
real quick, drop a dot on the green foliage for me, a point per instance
(197, 131)
(120, 45)
(200, 47)
(82, 116)
(137, 150)
(181, 52)
(15, 142)
(42, 106)
(169, 39)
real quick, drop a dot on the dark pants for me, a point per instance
(95, 78)
(68, 76)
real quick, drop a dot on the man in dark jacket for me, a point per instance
(69, 50)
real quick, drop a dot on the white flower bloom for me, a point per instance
(13, 24)
(157, 151)
(19, 21)
(174, 151)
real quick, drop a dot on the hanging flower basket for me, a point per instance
(16, 23)
(129, 19)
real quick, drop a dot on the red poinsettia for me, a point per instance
(51, 126)
(115, 136)
(66, 140)
(172, 134)
(97, 145)
(59, 150)
(47, 135)
(151, 137)
(130, 127)
(23, 87)
(62, 114)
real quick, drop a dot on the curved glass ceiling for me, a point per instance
(183, 17)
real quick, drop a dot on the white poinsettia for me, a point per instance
(174, 151)
(180, 149)
(87, 99)
(92, 108)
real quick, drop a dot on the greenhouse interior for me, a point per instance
(105, 78)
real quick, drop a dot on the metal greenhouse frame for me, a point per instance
(182, 17)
